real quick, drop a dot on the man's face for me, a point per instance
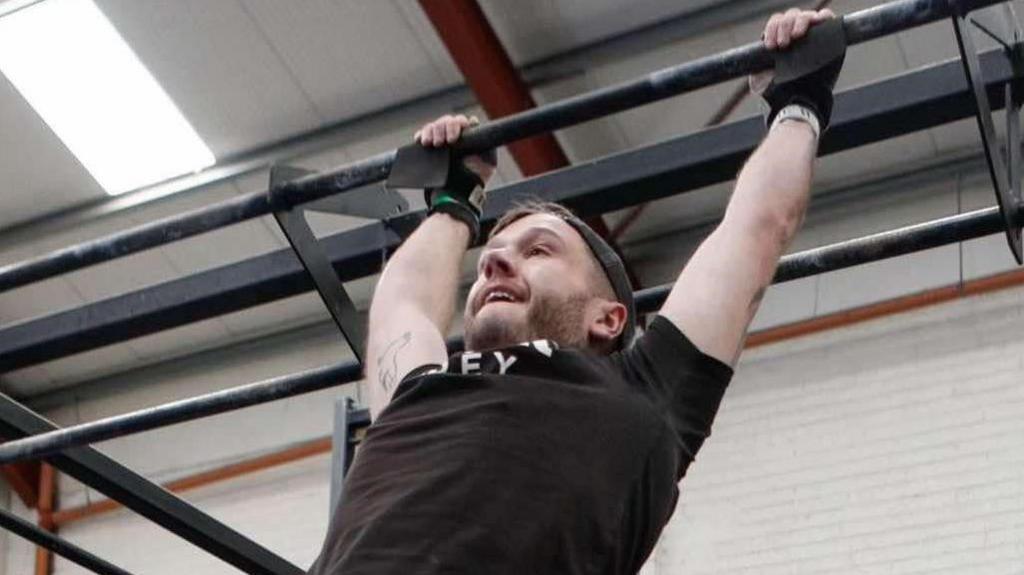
(532, 283)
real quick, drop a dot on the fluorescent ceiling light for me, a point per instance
(71, 65)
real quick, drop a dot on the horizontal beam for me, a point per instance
(860, 27)
(840, 255)
(147, 498)
(902, 104)
(58, 545)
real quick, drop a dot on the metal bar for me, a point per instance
(983, 113)
(58, 545)
(913, 101)
(146, 498)
(815, 261)
(860, 27)
(340, 444)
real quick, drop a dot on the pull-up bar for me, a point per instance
(815, 261)
(859, 27)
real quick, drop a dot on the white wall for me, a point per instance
(888, 447)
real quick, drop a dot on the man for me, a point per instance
(554, 444)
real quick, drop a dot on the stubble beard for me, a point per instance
(560, 320)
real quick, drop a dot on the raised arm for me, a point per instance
(414, 301)
(718, 292)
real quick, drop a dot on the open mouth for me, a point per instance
(499, 296)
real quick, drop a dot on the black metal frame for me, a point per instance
(145, 497)
(913, 101)
(58, 545)
(860, 27)
(1005, 172)
(151, 501)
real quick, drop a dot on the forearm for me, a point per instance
(424, 273)
(774, 186)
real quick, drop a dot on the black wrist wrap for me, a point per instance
(806, 73)
(462, 194)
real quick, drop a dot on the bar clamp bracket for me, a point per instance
(1004, 170)
(370, 202)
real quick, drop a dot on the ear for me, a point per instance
(606, 322)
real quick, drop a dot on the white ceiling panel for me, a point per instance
(349, 57)
(224, 246)
(668, 118)
(534, 29)
(39, 174)
(180, 341)
(25, 381)
(874, 158)
(123, 275)
(89, 365)
(589, 140)
(277, 315)
(218, 67)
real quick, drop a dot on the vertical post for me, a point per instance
(47, 496)
(341, 455)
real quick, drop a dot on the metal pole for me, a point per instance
(860, 27)
(146, 498)
(58, 545)
(815, 261)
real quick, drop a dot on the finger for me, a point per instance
(417, 135)
(803, 23)
(462, 120)
(452, 130)
(770, 31)
(785, 30)
(438, 132)
(474, 121)
(822, 15)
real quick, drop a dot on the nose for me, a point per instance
(496, 261)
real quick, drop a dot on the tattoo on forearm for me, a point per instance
(387, 362)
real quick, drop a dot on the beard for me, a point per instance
(559, 319)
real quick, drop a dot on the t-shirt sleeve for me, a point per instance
(683, 381)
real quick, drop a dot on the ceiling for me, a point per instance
(250, 73)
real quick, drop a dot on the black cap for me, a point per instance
(613, 267)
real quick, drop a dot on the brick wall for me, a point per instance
(890, 447)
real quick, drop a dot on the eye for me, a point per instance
(536, 250)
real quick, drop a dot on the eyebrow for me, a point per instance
(531, 233)
(535, 231)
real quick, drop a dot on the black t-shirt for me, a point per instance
(527, 460)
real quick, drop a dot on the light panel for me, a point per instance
(71, 65)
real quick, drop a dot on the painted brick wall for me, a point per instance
(890, 447)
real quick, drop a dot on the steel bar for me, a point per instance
(341, 451)
(147, 498)
(860, 27)
(898, 105)
(58, 545)
(815, 261)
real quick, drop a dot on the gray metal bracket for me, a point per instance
(1004, 171)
